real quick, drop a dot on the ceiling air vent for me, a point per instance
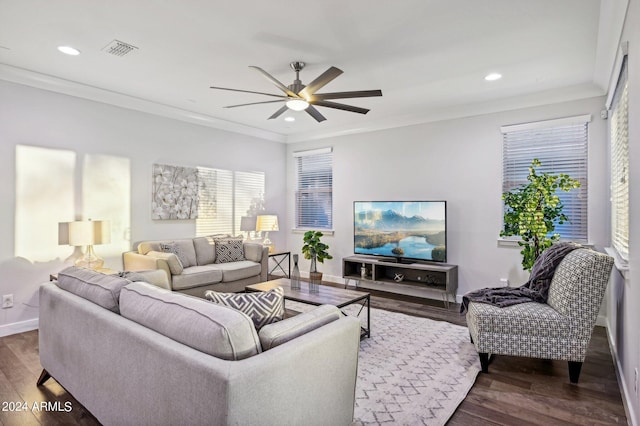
(118, 48)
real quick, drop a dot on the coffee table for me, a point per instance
(338, 297)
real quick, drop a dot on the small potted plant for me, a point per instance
(316, 251)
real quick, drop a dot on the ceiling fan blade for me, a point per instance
(252, 103)
(315, 114)
(345, 95)
(341, 106)
(322, 80)
(272, 79)
(278, 113)
(247, 91)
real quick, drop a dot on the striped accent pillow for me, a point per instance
(262, 307)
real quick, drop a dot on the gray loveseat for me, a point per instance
(149, 356)
(201, 267)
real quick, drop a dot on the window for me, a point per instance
(561, 147)
(619, 134)
(314, 194)
(225, 196)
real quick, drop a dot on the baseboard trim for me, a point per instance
(624, 390)
(18, 327)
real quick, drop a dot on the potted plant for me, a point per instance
(316, 251)
(533, 210)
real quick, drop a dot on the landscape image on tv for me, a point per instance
(401, 229)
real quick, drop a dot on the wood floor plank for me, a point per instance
(516, 391)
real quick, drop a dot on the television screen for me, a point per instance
(401, 229)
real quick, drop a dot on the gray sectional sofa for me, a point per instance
(134, 353)
(198, 266)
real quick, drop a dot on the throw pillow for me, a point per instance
(229, 250)
(262, 307)
(175, 249)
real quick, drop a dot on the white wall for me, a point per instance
(459, 161)
(35, 117)
(623, 315)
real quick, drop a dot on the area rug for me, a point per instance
(411, 371)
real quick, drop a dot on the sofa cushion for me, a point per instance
(234, 271)
(229, 250)
(183, 249)
(175, 266)
(263, 307)
(213, 329)
(272, 335)
(156, 277)
(99, 288)
(205, 250)
(196, 276)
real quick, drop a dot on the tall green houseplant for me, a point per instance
(313, 249)
(533, 210)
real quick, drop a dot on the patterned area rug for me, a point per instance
(411, 371)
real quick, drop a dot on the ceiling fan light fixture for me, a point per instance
(297, 104)
(493, 76)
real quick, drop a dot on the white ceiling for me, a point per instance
(428, 57)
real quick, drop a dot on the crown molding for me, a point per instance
(72, 88)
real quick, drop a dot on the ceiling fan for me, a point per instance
(300, 97)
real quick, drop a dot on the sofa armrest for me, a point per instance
(258, 253)
(134, 261)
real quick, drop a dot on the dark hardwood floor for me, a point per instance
(517, 391)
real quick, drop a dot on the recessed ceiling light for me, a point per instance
(493, 76)
(289, 118)
(69, 50)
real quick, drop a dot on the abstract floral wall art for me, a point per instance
(175, 192)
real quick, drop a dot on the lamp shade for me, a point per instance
(267, 222)
(247, 223)
(84, 233)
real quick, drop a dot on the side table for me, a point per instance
(279, 258)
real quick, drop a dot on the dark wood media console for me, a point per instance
(418, 279)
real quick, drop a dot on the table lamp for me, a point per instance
(266, 223)
(248, 224)
(87, 233)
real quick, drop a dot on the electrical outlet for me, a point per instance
(504, 282)
(7, 301)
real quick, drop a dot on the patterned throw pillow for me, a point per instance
(229, 250)
(262, 307)
(175, 249)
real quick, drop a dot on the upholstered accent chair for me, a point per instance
(560, 329)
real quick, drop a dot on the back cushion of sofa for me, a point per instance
(184, 249)
(213, 329)
(205, 250)
(99, 288)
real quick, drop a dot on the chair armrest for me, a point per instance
(141, 262)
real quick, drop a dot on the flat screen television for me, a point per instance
(403, 230)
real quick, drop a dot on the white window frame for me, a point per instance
(229, 197)
(619, 157)
(314, 189)
(561, 145)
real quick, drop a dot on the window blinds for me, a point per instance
(619, 135)
(225, 196)
(561, 147)
(314, 195)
